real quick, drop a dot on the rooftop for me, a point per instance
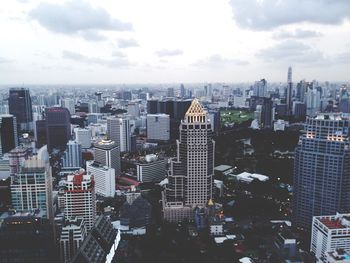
(335, 222)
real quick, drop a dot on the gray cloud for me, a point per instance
(169, 52)
(113, 63)
(297, 34)
(217, 61)
(291, 51)
(268, 14)
(343, 58)
(127, 42)
(77, 18)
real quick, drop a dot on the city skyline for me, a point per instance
(75, 42)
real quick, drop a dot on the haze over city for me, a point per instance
(90, 42)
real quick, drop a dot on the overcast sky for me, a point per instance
(152, 41)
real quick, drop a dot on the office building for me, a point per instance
(107, 153)
(158, 127)
(151, 169)
(322, 169)
(170, 92)
(104, 178)
(191, 172)
(79, 198)
(299, 110)
(40, 133)
(17, 157)
(118, 130)
(264, 111)
(57, 128)
(260, 88)
(31, 188)
(69, 104)
(8, 133)
(72, 236)
(329, 233)
(20, 105)
(83, 137)
(72, 157)
(133, 109)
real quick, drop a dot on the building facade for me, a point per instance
(8, 133)
(322, 169)
(151, 169)
(20, 105)
(79, 198)
(72, 157)
(158, 127)
(83, 137)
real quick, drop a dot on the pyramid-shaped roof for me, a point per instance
(196, 109)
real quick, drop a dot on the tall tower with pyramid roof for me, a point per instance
(191, 172)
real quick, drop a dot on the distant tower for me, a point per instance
(20, 105)
(57, 128)
(118, 130)
(69, 104)
(8, 133)
(191, 173)
(322, 169)
(79, 198)
(289, 91)
(72, 157)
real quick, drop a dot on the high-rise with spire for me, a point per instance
(191, 172)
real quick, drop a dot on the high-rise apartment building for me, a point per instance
(322, 169)
(107, 153)
(8, 133)
(158, 127)
(57, 128)
(20, 105)
(104, 178)
(72, 156)
(79, 198)
(31, 188)
(191, 172)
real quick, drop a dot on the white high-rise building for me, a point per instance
(69, 104)
(191, 172)
(83, 137)
(79, 198)
(158, 127)
(329, 233)
(133, 109)
(107, 153)
(118, 130)
(72, 156)
(72, 236)
(104, 178)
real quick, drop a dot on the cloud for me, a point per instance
(77, 18)
(291, 51)
(297, 34)
(118, 54)
(169, 52)
(127, 42)
(343, 58)
(217, 61)
(269, 14)
(5, 60)
(113, 63)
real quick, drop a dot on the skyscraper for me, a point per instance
(289, 91)
(191, 172)
(72, 156)
(17, 157)
(57, 128)
(69, 104)
(83, 137)
(158, 127)
(107, 153)
(260, 88)
(20, 105)
(322, 169)
(79, 198)
(118, 130)
(104, 178)
(8, 133)
(31, 187)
